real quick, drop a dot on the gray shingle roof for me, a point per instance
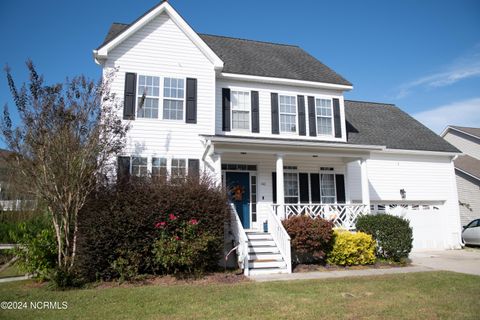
(258, 58)
(473, 131)
(385, 124)
(468, 164)
(267, 59)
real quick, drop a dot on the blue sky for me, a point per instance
(424, 56)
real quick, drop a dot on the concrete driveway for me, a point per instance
(463, 261)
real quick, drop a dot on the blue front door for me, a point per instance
(238, 188)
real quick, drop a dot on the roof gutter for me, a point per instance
(285, 81)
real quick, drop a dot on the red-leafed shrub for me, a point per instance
(311, 238)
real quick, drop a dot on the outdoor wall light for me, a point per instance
(315, 156)
(403, 194)
(243, 153)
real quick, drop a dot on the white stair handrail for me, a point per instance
(281, 238)
(241, 240)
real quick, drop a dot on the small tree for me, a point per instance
(65, 141)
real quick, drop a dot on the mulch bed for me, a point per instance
(317, 267)
(212, 278)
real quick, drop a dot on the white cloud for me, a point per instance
(464, 113)
(467, 66)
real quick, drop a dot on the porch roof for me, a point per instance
(287, 146)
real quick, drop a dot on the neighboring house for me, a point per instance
(270, 122)
(467, 169)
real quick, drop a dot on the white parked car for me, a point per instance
(471, 232)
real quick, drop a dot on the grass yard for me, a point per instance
(428, 295)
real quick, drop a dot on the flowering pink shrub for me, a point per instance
(183, 247)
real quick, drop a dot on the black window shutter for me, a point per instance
(303, 180)
(315, 187)
(274, 187)
(255, 112)
(336, 118)
(312, 123)
(130, 96)
(302, 126)
(226, 109)
(191, 104)
(194, 167)
(340, 187)
(275, 120)
(123, 170)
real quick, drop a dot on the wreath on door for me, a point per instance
(237, 192)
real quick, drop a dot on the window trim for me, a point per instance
(249, 110)
(280, 113)
(161, 97)
(332, 134)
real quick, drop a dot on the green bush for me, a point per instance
(123, 217)
(310, 238)
(352, 248)
(10, 223)
(393, 235)
(37, 251)
(127, 265)
(188, 249)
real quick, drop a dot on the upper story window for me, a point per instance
(324, 116)
(173, 98)
(240, 110)
(288, 113)
(148, 97)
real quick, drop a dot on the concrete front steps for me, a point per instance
(263, 254)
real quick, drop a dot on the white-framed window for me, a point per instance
(159, 167)
(139, 166)
(327, 188)
(290, 186)
(324, 116)
(148, 96)
(288, 113)
(173, 98)
(241, 105)
(179, 167)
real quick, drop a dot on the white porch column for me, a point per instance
(365, 184)
(280, 189)
(218, 169)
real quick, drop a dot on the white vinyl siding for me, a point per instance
(324, 116)
(148, 93)
(288, 113)
(241, 106)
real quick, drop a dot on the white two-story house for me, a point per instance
(270, 122)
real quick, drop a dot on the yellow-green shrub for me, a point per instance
(351, 248)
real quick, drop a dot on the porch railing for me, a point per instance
(240, 238)
(342, 215)
(281, 238)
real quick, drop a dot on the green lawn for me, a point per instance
(429, 295)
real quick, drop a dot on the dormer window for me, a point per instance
(240, 110)
(288, 113)
(324, 116)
